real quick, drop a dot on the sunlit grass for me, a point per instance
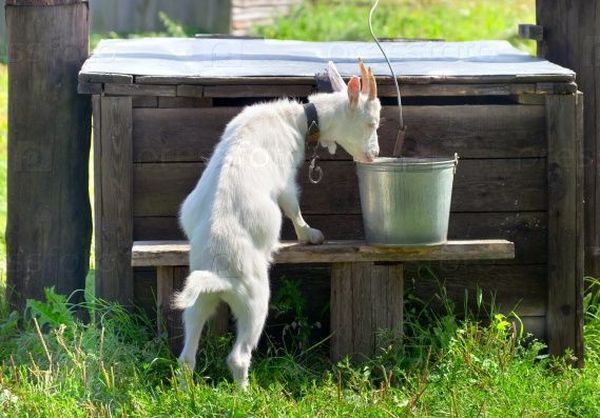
(452, 20)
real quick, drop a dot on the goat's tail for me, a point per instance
(198, 282)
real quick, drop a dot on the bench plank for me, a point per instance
(175, 253)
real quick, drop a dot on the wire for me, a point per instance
(401, 117)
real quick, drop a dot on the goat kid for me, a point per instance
(233, 218)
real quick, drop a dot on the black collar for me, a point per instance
(312, 121)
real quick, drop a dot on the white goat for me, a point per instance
(233, 219)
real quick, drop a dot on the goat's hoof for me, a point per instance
(315, 237)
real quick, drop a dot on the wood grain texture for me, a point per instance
(366, 303)
(259, 90)
(164, 291)
(105, 78)
(144, 101)
(139, 90)
(521, 288)
(184, 102)
(175, 253)
(565, 218)
(494, 185)
(474, 131)
(49, 220)
(528, 230)
(571, 39)
(261, 87)
(114, 221)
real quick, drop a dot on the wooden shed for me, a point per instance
(160, 106)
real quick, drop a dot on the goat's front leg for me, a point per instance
(288, 201)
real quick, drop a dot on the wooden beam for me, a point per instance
(175, 253)
(366, 299)
(49, 217)
(565, 225)
(114, 191)
(572, 30)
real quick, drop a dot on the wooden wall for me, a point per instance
(500, 192)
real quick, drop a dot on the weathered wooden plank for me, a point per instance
(175, 253)
(494, 185)
(89, 88)
(162, 135)
(528, 230)
(366, 299)
(114, 223)
(442, 90)
(471, 131)
(282, 87)
(184, 102)
(105, 78)
(521, 288)
(565, 215)
(341, 309)
(259, 90)
(395, 300)
(164, 290)
(144, 101)
(187, 90)
(139, 90)
(362, 328)
(49, 217)
(571, 40)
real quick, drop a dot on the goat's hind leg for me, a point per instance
(251, 314)
(194, 319)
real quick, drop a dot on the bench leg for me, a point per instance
(365, 298)
(168, 280)
(165, 284)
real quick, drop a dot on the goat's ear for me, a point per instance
(364, 77)
(337, 82)
(353, 91)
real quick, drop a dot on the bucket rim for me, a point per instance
(409, 162)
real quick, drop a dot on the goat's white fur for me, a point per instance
(233, 219)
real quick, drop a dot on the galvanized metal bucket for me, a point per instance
(406, 201)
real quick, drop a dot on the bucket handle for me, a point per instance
(456, 158)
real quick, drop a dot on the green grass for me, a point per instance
(452, 20)
(116, 366)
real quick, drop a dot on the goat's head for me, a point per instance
(356, 115)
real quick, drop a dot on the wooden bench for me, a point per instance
(366, 282)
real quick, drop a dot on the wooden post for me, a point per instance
(572, 39)
(113, 165)
(168, 280)
(365, 298)
(49, 217)
(564, 318)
